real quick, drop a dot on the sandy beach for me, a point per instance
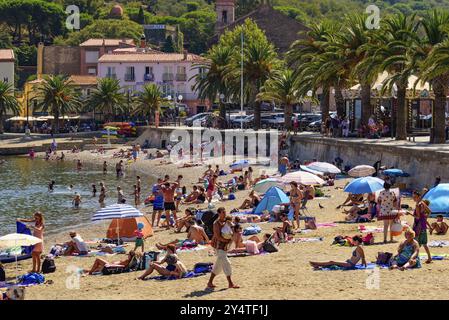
(282, 275)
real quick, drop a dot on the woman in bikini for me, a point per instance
(174, 266)
(296, 197)
(357, 255)
(38, 232)
(99, 264)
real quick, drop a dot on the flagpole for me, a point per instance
(241, 81)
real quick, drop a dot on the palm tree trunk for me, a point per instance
(339, 102)
(222, 108)
(56, 122)
(367, 108)
(324, 104)
(401, 113)
(439, 112)
(257, 115)
(288, 117)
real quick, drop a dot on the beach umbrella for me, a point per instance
(364, 185)
(117, 211)
(324, 167)
(302, 177)
(239, 165)
(361, 171)
(439, 199)
(395, 173)
(307, 169)
(18, 240)
(263, 185)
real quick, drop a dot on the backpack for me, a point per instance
(48, 265)
(202, 267)
(383, 258)
(268, 246)
(2, 274)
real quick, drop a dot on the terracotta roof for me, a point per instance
(7, 55)
(84, 80)
(149, 57)
(135, 50)
(107, 42)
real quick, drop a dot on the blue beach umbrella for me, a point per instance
(439, 199)
(364, 185)
(395, 173)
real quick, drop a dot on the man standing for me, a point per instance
(220, 244)
(168, 189)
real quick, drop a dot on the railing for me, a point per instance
(148, 77)
(129, 77)
(167, 77)
(181, 77)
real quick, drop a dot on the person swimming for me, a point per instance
(51, 186)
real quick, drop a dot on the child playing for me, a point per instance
(440, 227)
(139, 237)
(226, 231)
(76, 200)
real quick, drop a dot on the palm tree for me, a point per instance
(107, 97)
(149, 101)
(282, 88)
(58, 97)
(393, 49)
(259, 63)
(8, 102)
(433, 54)
(214, 81)
(302, 56)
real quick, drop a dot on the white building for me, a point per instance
(172, 72)
(7, 60)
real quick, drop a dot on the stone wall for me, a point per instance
(61, 60)
(422, 164)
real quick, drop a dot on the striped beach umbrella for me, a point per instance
(361, 171)
(263, 185)
(302, 177)
(324, 167)
(117, 211)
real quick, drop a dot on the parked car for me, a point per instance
(189, 121)
(314, 126)
(247, 122)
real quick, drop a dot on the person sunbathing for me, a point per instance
(192, 196)
(281, 233)
(408, 253)
(195, 234)
(357, 255)
(352, 199)
(253, 245)
(76, 245)
(174, 266)
(200, 198)
(358, 213)
(251, 202)
(99, 264)
(440, 227)
(185, 221)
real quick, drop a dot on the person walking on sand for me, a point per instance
(168, 189)
(38, 232)
(220, 244)
(388, 202)
(158, 204)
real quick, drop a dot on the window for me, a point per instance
(224, 17)
(92, 71)
(168, 90)
(92, 56)
(168, 73)
(181, 89)
(129, 74)
(111, 72)
(148, 70)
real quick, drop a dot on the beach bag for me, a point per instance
(108, 270)
(203, 267)
(396, 228)
(383, 258)
(310, 223)
(31, 278)
(368, 239)
(268, 246)
(48, 265)
(254, 229)
(2, 274)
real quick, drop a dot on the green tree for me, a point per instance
(107, 97)
(282, 88)
(58, 97)
(141, 16)
(169, 46)
(8, 102)
(149, 101)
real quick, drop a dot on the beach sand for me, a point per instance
(282, 275)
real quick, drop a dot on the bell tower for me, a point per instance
(225, 10)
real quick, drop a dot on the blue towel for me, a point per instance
(369, 266)
(23, 229)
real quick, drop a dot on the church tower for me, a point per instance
(225, 10)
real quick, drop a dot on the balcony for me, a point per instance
(129, 77)
(167, 77)
(111, 76)
(181, 77)
(148, 77)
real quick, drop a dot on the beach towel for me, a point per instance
(369, 266)
(438, 243)
(311, 239)
(435, 257)
(326, 225)
(251, 230)
(189, 274)
(367, 229)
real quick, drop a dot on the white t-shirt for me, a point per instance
(80, 244)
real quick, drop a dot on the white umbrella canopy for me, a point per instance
(302, 177)
(361, 171)
(324, 167)
(263, 185)
(117, 211)
(18, 239)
